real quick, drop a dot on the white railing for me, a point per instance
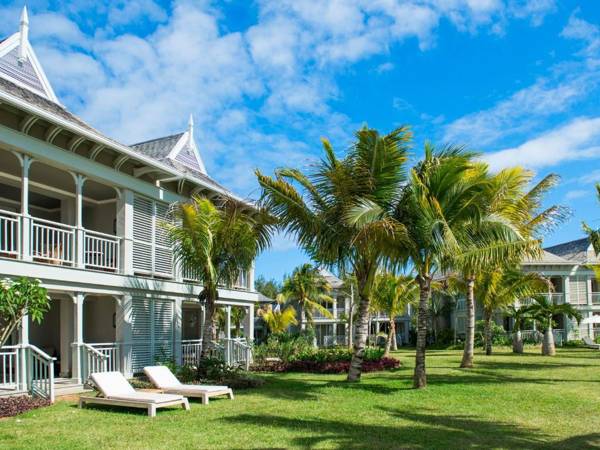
(101, 251)
(92, 361)
(237, 352)
(242, 280)
(558, 298)
(112, 353)
(190, 351)
(9, 368)
(40, 372)
(10, 226)
(52, 242)
(537, 336)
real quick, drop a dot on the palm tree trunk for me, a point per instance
(548, 348)
(350, 324)
(360, 338)
(467, 359)
(390, 338)
(394, 340)
(488, 333)
(420, 376)
(209, 334)
(517, 342)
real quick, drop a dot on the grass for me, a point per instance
(506, 401)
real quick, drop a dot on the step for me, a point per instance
(65, 386)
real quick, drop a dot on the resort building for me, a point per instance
(335, 330)
(82, 212)
(567, 267)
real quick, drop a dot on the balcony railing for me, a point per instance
(52, 242)
(558, 298)
(101, 251)
(10, 236)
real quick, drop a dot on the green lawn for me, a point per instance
(507, 401)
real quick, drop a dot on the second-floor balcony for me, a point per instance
(558, 298)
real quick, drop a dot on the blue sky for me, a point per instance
(516, 80)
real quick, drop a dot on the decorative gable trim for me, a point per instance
(187, 143)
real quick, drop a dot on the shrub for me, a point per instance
(341, 366)
(499, 336)
(574, 343)
(215, 371)
(11, 406)
(284, 346)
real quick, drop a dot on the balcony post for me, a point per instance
(250, 280)
(588, 285)
(228, 322)
(78, 299)
(177, 318)
(23, 341)
(80, 240)
(123, 333)
(125, 230)
(249, 324)
(25, 218)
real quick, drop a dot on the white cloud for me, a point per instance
(587, 32)
(578, 193)
(579, 139)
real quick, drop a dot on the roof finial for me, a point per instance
(23, 34)
(191, 128)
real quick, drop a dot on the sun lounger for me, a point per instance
(163, 379)
(117, 391)
(590, 344)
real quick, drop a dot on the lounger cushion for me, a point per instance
(195, 388)
(112, 384)
(147, 397)
(161, 376)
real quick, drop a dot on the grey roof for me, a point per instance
(547, 258)
(158, 148)
(333, 281)
(578, 251)
(22, 71)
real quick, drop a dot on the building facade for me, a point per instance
(82, 212)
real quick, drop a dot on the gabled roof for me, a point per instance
(333, 281)
(579, 251)
(547, 258)
(19, 64)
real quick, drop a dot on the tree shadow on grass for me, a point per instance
(411, 430)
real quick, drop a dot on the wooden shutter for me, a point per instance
(142, 234)
(578, 290)
(163, 329)
(141, 333)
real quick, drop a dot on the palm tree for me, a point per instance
(502, 287)
(437, 203)
(519, 314)
(340, 213)
(237, 316)
(543, 309)
(278, 319)
(594, 235)
(506, 233)
(392, 294)
(307, 288)
(215, 244)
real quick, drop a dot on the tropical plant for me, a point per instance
(19, 298)
(340, 213)
(392, 294)
(309, 290)
(594, 234)
(215, 244)
(507, 232)
(543, 310)
(269, 288)
(278, 319)
(237, 316)
(437, 203)
(501, 287)
(349, 317)
(519, 314)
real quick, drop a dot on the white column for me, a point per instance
(23, 340)
(249, 324)
(80, 244)
(228, 321)
(26, 219)
(123, 333)
(588, 286)
(251, 278)
(178, 313)
(66, 335)
(125, 230)
(77, 335)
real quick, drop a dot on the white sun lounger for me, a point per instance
(163, 379)
(117, 391)
(590, 344)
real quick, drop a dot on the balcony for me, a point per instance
(595, 298)
(558, 298)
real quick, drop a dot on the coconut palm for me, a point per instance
(340, 213)
(506, 233)
(392, 294)
(543, 309)
(215, 244)
(237, 316)
(278, 319)
(501, 287)
(307, 289)
(519, 314)
(594, 235)
(441, 197)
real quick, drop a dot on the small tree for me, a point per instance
(543, 309)
(18, 299)
(277, 319)
(519, 316)
(269, 288)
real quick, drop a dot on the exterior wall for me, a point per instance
(99, 319)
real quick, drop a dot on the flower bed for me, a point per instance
(11, 406)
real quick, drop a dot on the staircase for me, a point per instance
(68, 386)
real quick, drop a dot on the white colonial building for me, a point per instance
(81, 211)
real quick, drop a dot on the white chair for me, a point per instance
(590, 344)
(163, 379)
(117, 391)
